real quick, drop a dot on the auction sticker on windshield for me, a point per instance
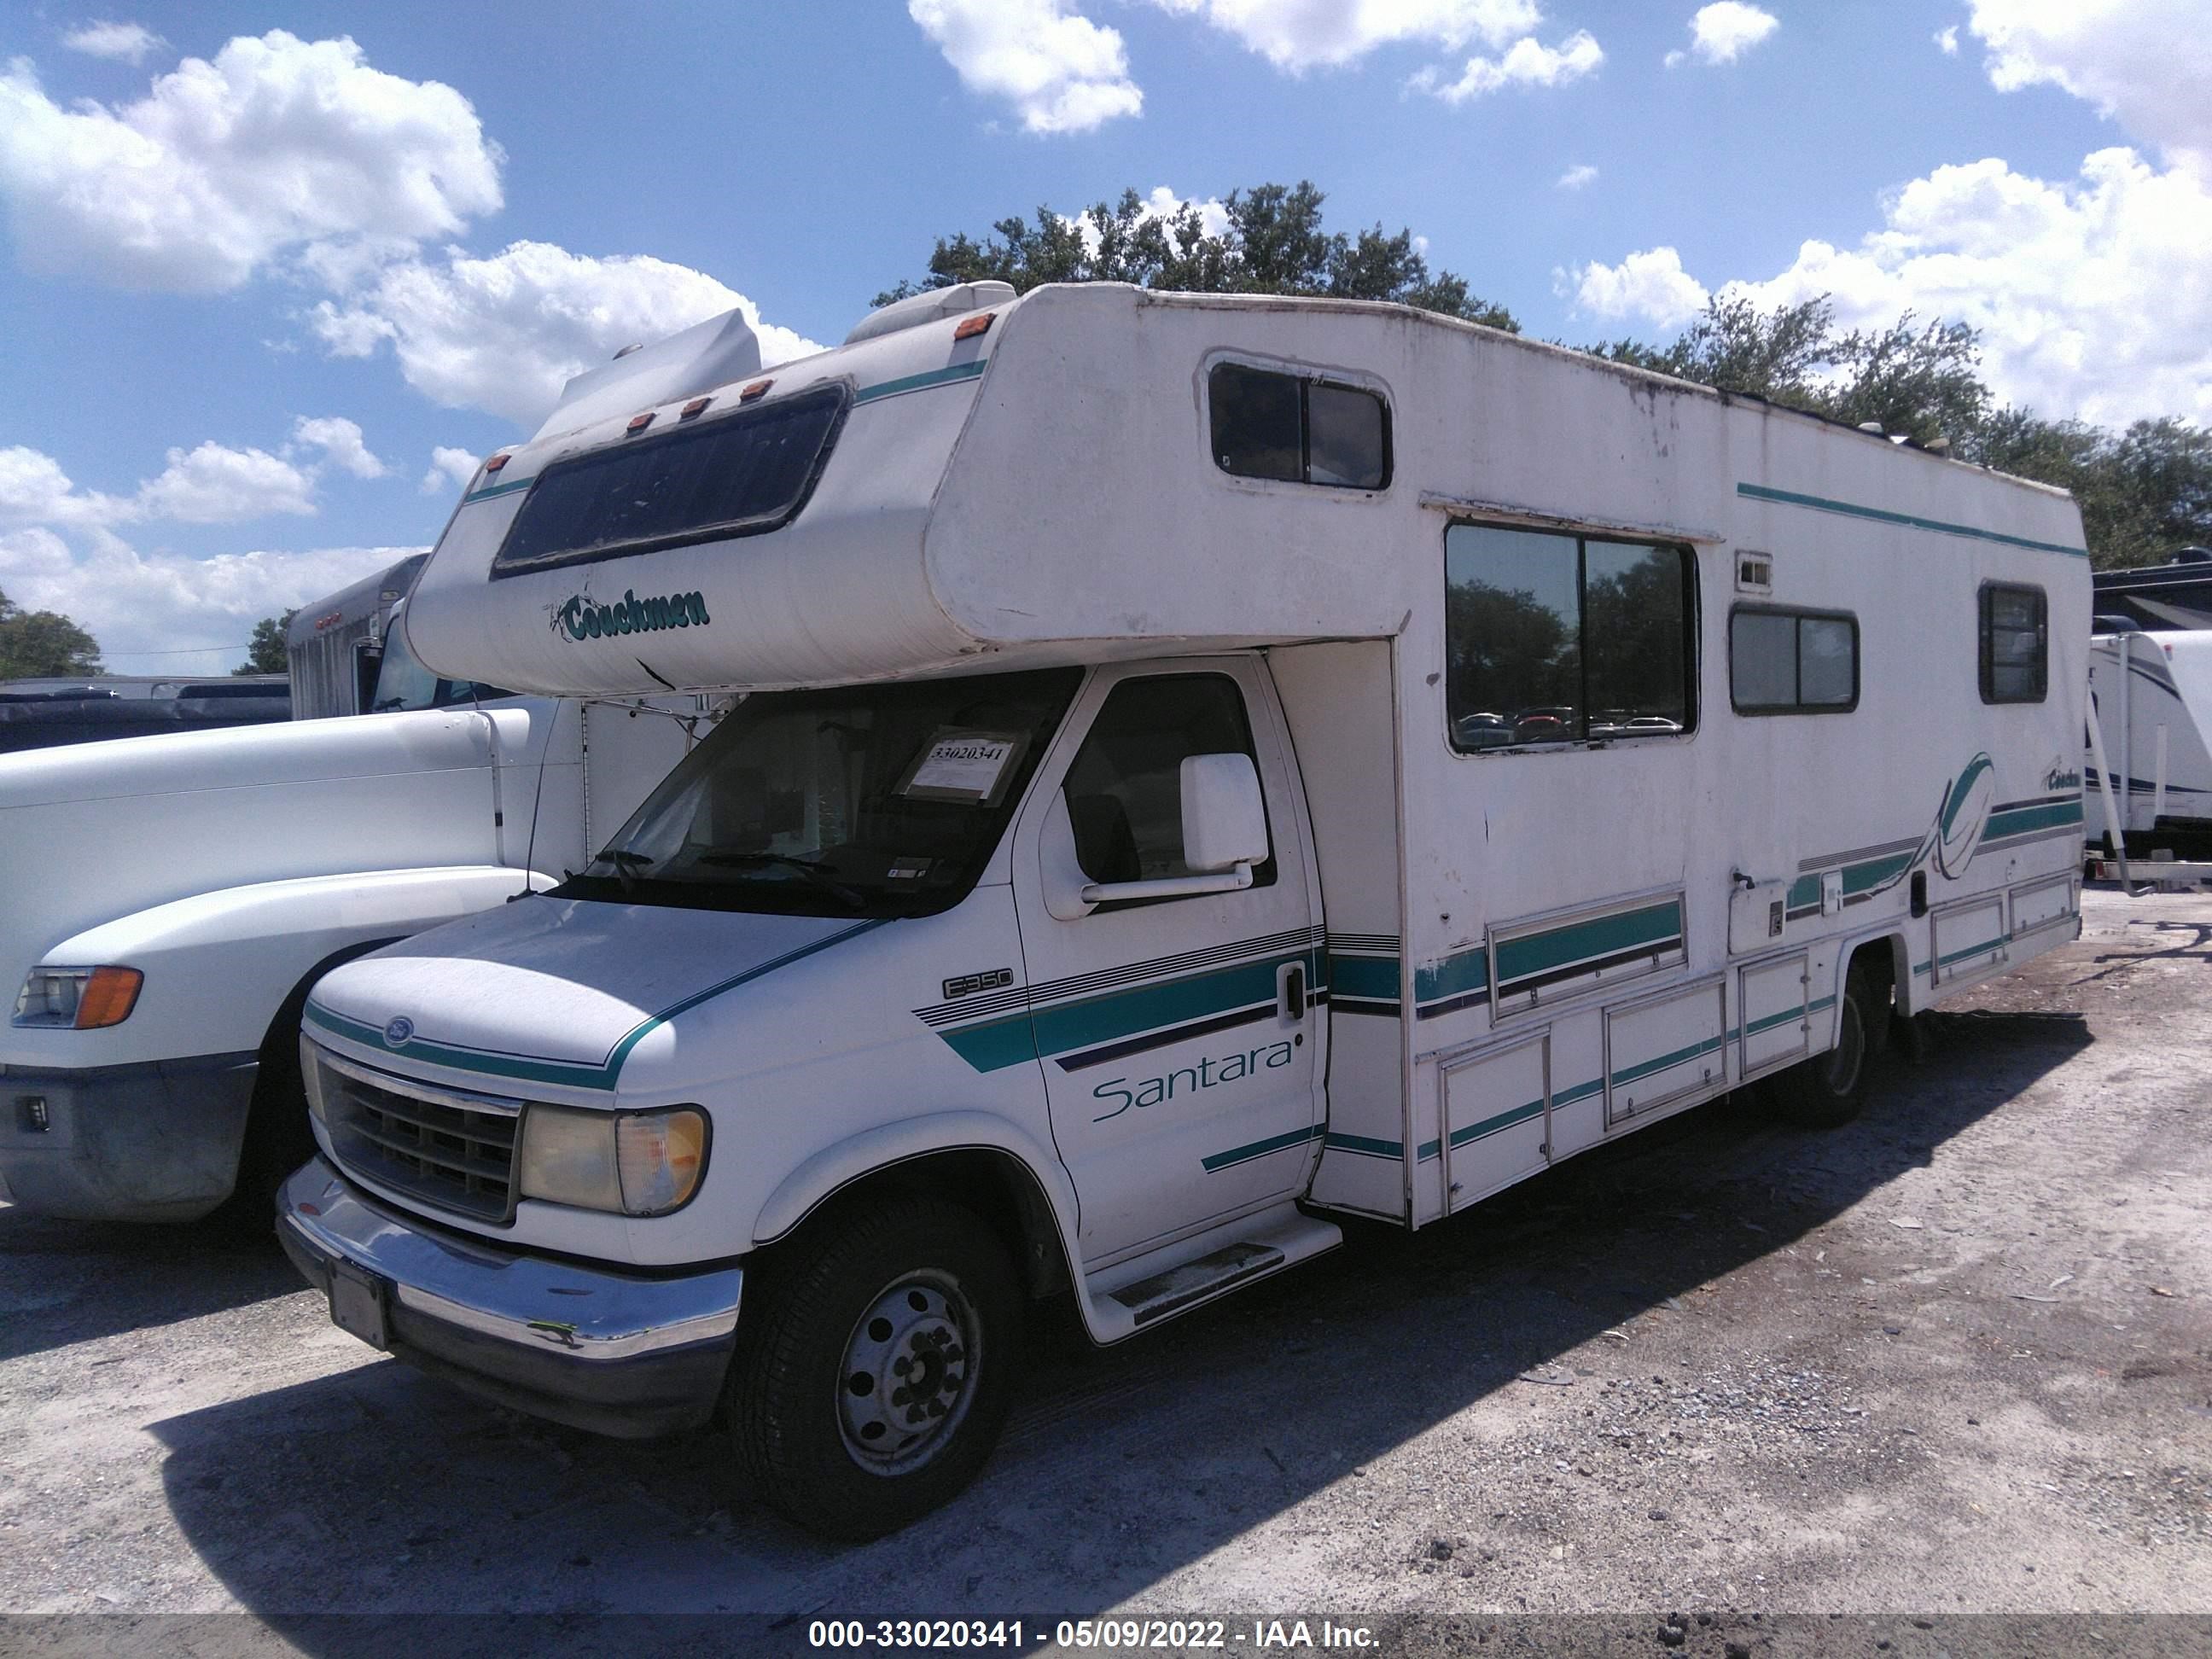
(963, 766)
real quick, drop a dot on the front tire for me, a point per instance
(1829, 1089)
(877, 1368)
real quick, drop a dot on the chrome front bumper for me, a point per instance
(620, 1353)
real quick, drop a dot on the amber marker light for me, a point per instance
(639, 422)
(971, 327)
(757, 389)
(108, 997)
(497, 462)
(694, 409)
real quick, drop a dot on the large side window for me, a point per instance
(1564, 639)
(1267, 424)
(1792, 662)
(1125, 789)
(2016, 644)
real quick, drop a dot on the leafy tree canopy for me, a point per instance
(43, 645)
(1275, 243)
(264, 652)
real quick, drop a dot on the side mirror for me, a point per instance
(1224, 818)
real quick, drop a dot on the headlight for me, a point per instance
(629, 1162)
(85, 998)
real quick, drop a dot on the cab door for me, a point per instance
(1183, 1059)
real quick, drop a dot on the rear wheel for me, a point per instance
(1830, 1089)
(877, 1368)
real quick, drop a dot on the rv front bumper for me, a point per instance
(156, 1140)
(618, 1353)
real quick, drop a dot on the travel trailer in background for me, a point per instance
(2151, 696)
(335, 646)
(1211, 765)
(170, 898)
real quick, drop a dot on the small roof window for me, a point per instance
(1296, 429)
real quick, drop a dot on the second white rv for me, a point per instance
(2151, 694)
(1209, 766)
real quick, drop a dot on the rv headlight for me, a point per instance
(630, 1162)
(85, 998)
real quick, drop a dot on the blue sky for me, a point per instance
(274, 275)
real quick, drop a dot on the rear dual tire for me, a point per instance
(1830, 1089)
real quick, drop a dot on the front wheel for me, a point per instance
(1829, 1089)
(877, 1372)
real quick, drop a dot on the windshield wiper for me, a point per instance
(806, 867)
(624, 862)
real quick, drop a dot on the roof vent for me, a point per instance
(1874, 426)
(931, 305)
(2192, 556)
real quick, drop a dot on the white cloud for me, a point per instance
(1725, 31)
(1576, 176)
(504, 334)
(162, 612)
(1162, 203)
(1062, 72)
(34, 492)
(1651, 285)
(1302, 35)
(450, 469)
(340, 441)
(278, 147)
(2093, 295)
(128, 43)
(215, 485)
(2145, 63)
(1527, 62)
(1946, 40)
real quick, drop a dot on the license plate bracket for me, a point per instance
(361, 1303)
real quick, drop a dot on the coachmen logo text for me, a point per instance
(580, 619)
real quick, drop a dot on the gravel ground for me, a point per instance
(1956, 1357)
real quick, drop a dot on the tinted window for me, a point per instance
(1555, 638)
(735, 475)
(1792, 662)
(1125, 787)
(1271, 425)
(2016, 644)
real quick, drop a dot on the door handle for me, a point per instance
(1291, 992)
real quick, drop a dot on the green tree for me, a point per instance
(43, 645)
(1275, 243)
(264, 652)
(2142, 492)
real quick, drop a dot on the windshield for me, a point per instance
(402, 681)
(874, 800)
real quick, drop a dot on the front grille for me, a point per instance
(455, 1152)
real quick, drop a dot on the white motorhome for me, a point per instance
(2151, 694)
(170, 898)
(1212, 766)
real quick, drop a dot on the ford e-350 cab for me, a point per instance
(1203, 766)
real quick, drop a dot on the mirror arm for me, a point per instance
(1227, 881)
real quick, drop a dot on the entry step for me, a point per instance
(1253, 1249)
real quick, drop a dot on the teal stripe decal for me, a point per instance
(506, 489)
(1877, 872)
(1973, 950)
(1491, 1125)
(1851, 509)
(1372, 978)
(1365, 1145)
(2026, 818)
(1454, 977)
(868, 394)
(1262, 1148)
(1537, 953)
(577, 1074)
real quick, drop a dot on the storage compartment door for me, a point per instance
(1970, 936)
(1770, 998)
(2042, 904)
(1661, 1049)
(1496, 1116)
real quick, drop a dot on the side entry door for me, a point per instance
(1184, 1063)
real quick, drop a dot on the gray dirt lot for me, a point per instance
(1955, 1356)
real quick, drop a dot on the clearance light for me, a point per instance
(81, 999)
(694, 408)
(757, 389)
(971, 327)
(497, 462)
(639, 422)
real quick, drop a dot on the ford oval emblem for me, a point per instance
(399, 1031)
